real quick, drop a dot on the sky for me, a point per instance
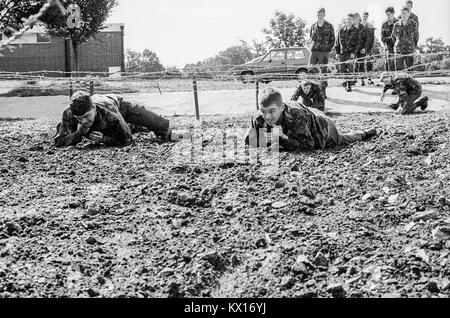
(187, 31)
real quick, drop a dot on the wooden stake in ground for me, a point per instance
(197, 110)
(257, 94)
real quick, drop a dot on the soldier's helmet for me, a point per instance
(80, 103)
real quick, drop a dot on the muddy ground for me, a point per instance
(370, 220)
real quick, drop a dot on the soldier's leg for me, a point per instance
(140, 116)
(314, 58)
(324, 61)
(409, 61)
(409, 105)
(335, 138)
(319, 104)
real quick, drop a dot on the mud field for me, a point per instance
(371, 220)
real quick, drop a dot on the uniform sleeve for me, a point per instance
(67, 131)
(394, 34)
(303, 140)
(332, 38)
(122, 134)
(338, 43)
(416, 34)
(297, 94)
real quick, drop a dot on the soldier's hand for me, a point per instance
(363, 51)
(96, 136)
(352, 56)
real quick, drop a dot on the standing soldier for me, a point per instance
(322, 42)
(386, 38)
(311, 94)
(370, 43)
(412, 16)
(363, 37)
(409, 91)
(347, 47)
(406, 38)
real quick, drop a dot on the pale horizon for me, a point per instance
(182, 32)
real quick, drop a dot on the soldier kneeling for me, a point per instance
(409, 91)
(311, 94)
(104, 118)
(300, 128)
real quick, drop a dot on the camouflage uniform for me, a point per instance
(413, 17)
(389, 42)
(369, 45)
(363, 38)
(307, 129)
(314, 98)
(409, 90)
(322, 42)
(113, 114)
(348, 42)
(406, 37)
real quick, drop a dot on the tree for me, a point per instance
(13, 11)
(285, 30)
(146, 61)
(93, 16)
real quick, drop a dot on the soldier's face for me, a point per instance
(87, 120)
(366, 17)
(306, 89)
(405, 15)
(390, 15)
(321, 16)
(272, 113)
(350, 21)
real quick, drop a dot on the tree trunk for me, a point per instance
(75, 54)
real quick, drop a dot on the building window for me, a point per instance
(43, 38)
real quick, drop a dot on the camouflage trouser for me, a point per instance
(139, 117)
(321, 58)
(408, 103)
(335, 138)
(390, 62)
(346, 68)
(404, 62)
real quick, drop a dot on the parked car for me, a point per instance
(277, 62)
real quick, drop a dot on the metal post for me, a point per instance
(70, 89)
(257, 94)
(197, 110)
(91, 88)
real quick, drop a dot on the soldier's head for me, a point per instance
(350, 19)
(306, 86)
(406, 11)
(82, 108)
(271, 105)
(390, 13)
(365, 16)
(321, 14)
(386, 78)
(357, 18)
(409, 4)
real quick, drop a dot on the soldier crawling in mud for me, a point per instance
(104, 118)
(311, 94)
(297, 127)
(408, 89)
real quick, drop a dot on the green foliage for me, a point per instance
(13, 11)
(146, 61)
(285, 30)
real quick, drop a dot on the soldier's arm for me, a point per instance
(332, 38)
(338, 43)
(303, 140)
(67, 131)
(122, 134)
(416, 35)
(297, 94)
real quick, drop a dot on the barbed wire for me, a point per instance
(29, 23)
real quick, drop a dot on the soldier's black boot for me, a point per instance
(394, 106)
(371, 82)
(423, 103)
(368, 134)
(349, 87)
(363, 83)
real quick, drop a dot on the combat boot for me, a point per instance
(423, 103)
(368, 134)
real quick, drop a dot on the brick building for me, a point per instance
(38, 51)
